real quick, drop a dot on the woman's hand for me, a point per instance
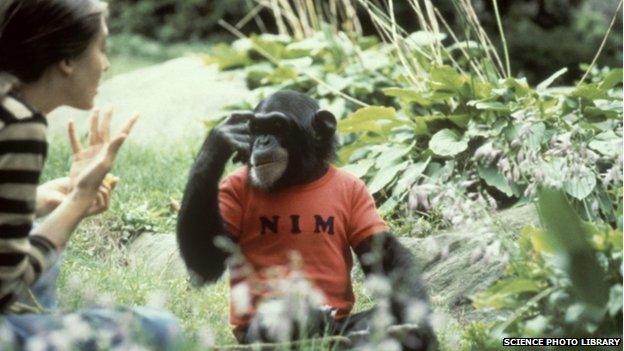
(50, 195)
(90, 194)
(90, 166)
(99, 133)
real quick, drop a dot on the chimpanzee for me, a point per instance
(288, 197)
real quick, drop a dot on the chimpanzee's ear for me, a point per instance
(324, 124)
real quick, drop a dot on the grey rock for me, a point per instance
(158, 253)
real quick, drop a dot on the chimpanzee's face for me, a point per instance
(268, 158)
(292, 141)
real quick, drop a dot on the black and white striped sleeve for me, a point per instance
(23, 149)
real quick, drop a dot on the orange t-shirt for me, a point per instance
(321, 221)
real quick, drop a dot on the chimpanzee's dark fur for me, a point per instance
(295, 123)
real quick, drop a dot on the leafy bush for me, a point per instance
(455, 140)
(565, 279)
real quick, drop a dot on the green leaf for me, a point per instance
(338, 82)
(615, 300)
(465, 45)
(280, 74)
(374, 60)
(539, 242)
(497, 294)
(313, 45)
(424, 38)
(226, 57)
(412, 173)
(298, 63)
(268, 44)
(389, 156)
(536, 135)
(446, 77)
(565, 230)
(388, 205)
(447, 143)
(580, 185)
(385, 176)
(612, 78)
(607, 143)
(360, 168)
(366, 119)
(589, 91)
(546, 83)
(347, 151)
(408, 95)
(515, 286)
(493, 177)
(489, 105)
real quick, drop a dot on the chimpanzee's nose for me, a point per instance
(265, 141)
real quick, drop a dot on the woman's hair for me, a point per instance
(35, 34)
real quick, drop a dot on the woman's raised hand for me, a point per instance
(91, 165)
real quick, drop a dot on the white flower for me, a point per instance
(438, 320)
(378, 286)
(389, 345)
(157, 299)
(76, 328)
(58, 340)
(36, 343)
(274, 316)
(6, 336)
(241, 298)
(417, 312)
(206, 338)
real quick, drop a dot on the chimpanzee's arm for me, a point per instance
(383, 254)
(199, 219)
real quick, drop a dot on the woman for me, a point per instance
(52, 53)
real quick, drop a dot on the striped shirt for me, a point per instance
(23, 150)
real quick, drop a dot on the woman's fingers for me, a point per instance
(105, 126)
(73, 138)
(113, 147)
(101, 202)
(94, 135)
(129, 124)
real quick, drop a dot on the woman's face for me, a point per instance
(87, 71)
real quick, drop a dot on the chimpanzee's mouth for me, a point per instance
(261, 162)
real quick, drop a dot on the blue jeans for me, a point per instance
(91, 329)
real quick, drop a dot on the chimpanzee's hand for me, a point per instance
(234, 134)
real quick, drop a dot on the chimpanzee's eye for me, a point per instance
(253, 127)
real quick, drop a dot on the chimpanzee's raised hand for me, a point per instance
(234, 135)
(199, 220)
